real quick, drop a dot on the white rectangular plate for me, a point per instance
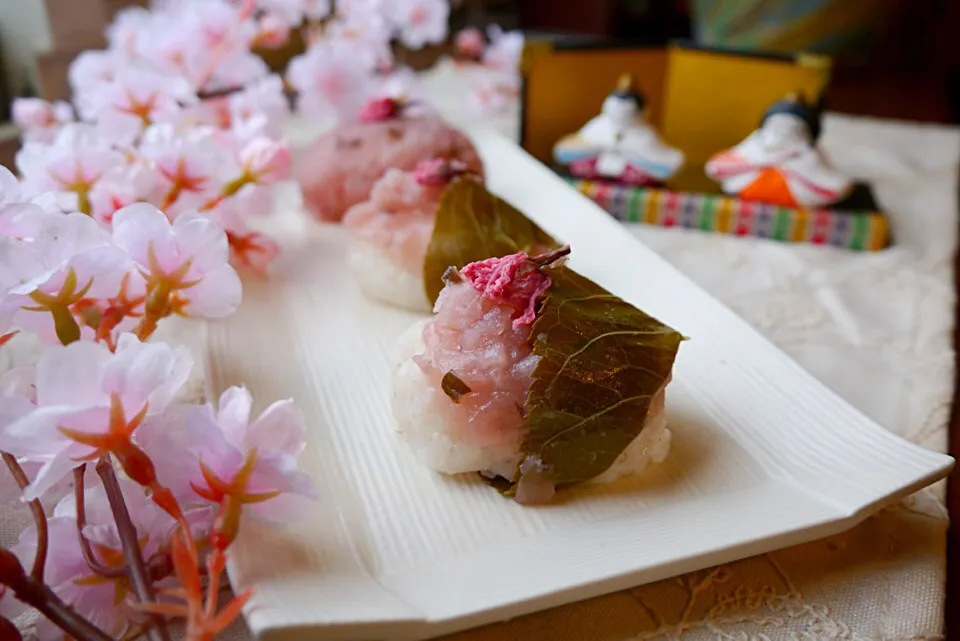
(764, 456)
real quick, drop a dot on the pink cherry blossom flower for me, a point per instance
(261, 104)
(17, 213)
(199, 451)
(272, 31)
(36, 112)
(331, 81)
(136, 98)
(470, 43)
(190, 163)
(266, 161)
(120, 187)
(253, 250)
(17, 399)
(362, 9)
(493, 92)
(129, 24)
(57, 260)
(293, 12)
(207, 43)
(10, 192)
(12, 206)
(167, 42)
(69, 166)
(217, 23)
(189, 259)
(421, 22)
(223, 35)
(83, 389)
(366, 35)
(249, 249)
(504, 51)
(237, 70)
(210, 112)
(92, 68)
(40, 120)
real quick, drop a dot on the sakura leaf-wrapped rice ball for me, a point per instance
(392, 231)
(339, 169)
(417, 223)
(534, 376)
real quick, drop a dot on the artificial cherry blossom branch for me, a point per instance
(88, 554)
(41, 597)
(8, 631)
(159, 566)
(39, 517)
(142, 583)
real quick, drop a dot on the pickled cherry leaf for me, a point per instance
(602, 361)
(472, 224)
(454, 387)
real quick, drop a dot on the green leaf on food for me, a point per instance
(602, 362)
(472, 224)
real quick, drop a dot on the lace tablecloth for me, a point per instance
(876, 328)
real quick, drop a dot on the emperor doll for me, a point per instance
(618, 144)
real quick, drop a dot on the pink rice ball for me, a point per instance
(340, 168)
(397, 219)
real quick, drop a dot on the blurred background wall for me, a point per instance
(895, 58)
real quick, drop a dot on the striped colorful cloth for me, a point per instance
(854, 230)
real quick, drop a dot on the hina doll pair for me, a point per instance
(778, 163)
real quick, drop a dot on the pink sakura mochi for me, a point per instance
(341, 167)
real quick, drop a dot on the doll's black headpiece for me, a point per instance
(627, 89)
(795, 105)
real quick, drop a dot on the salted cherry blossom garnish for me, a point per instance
(516, 280)
(439, 171)
(380, 109)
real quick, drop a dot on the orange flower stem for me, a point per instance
(172, 195)
(39, 518)
(229, 190)
(146, 327)
(215, 564)
(139, 575)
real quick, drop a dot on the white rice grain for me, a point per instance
(381, 280)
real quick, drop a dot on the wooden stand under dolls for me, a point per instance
(619, 144)
(775, 183)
